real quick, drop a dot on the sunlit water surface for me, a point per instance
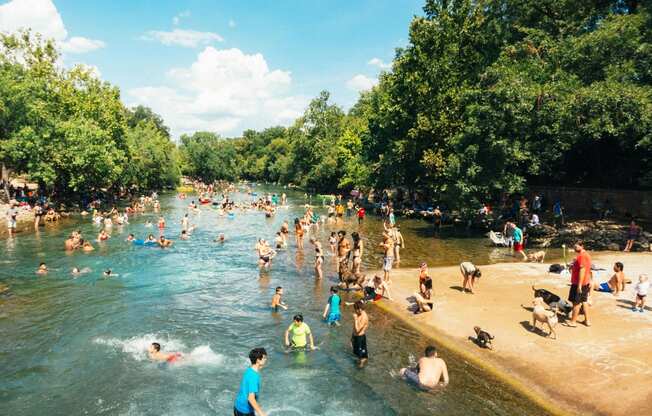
(77, 346)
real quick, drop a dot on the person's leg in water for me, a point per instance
(319, 274)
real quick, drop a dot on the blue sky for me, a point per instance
(224, 66)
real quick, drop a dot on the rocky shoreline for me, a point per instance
(597, 235)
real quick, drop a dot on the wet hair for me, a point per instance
(334, 289)
(278, 288)
(619, 266)
(257, 354)
(428, 283)
(41, 264)
(156, 346)
(431, 351)
(131, 235)
(183, 232)
(341, 232)
(298, 317)
(358, 306)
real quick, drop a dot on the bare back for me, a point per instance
(432, 371)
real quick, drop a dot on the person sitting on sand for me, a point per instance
(469, 272)
(374, 290)
(429, 372)
(424, 297)
(277, 301)
(155, 354)
(615, 284)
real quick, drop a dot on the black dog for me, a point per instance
(553, 300)
(483, 338)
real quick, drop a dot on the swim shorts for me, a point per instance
(236, 412)
(11, 224)
(360, 346)
(518, 247)
(387, 263)
(412, 376)
(333, 317)
(576, 296)
(604, 287)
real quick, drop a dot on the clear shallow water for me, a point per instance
(77, 346)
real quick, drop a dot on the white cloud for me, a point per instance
(224, 91)
(361, 83)
(231, 23)
(176, 19)
(41, 16)
(77, 44)
(379, 63)
(183, 37)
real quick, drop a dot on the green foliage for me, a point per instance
(69, 131)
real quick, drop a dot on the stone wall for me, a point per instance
(579, 201)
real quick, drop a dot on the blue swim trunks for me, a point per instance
(333, 317)
(604, 287)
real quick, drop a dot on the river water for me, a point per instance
(76, 346)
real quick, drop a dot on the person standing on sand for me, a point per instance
(246, 402)
(359, 335)
(580, 285)
(469, 273)
(430, 370)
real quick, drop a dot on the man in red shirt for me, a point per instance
(361, 213)
(580, 285)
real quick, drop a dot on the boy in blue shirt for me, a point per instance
(332, 309)
(246, 402)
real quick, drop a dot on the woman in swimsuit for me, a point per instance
(298, 229)
(332, 240)
(357, 253)
(319, 260)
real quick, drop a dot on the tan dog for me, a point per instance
(540, 314)
(538, 257)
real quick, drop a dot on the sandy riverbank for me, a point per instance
(603, 370)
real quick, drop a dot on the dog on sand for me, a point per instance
(540, 314)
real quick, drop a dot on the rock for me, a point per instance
(613, 247)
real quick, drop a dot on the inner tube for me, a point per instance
(145, 243)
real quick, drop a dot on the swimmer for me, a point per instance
(300, 332)
(103, 236)
(429, 372)
(163, 242)
(161, 223)
(184, 222)
(332, 309)
(155, 354)
(76, 271)
(150, 239)
(220, 238)
(87, 246)
(131, 237)
(184, 235)
(108, 273)
(42, 269)
(277, 302)
(148, 224)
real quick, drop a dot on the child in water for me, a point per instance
(332, 309)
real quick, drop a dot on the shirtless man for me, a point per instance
(429, 372)
(155, 354)
(163, 242)
(277, 301)
(388, 247)
(359, 337)
(343, 249)
(615, 284)
(184, 223)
